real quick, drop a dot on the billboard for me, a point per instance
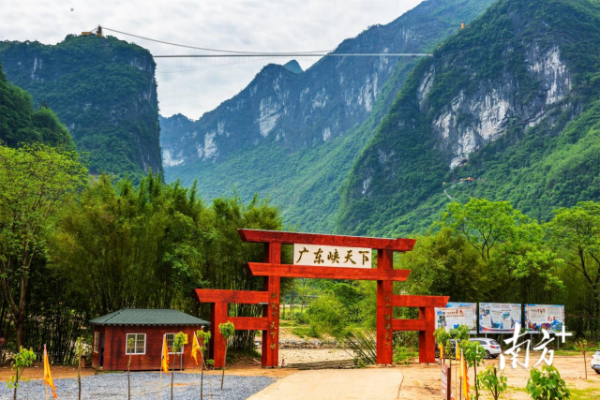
(499, 317)
(455, 314)
(544, 316)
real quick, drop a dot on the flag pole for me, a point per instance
(460, 374)
(160, 373)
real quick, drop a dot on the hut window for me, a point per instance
(96, 341)
(139, 343)
(170, 339)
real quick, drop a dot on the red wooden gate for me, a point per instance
(273, 270)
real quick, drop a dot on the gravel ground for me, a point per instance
(144, 386)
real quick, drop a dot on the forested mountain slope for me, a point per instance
(102, 89)
(21, 124)
(507, 109)
(294, 135)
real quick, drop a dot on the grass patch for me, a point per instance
(585, 394)
(305, 331)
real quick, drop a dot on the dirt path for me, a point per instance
(347, 384)
(423, 381)
(37, 372)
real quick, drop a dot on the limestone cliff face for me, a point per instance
(297, 109)
(103, 90)
(471, 120)
(510, 78)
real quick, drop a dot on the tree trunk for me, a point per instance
(16, 384)
(79, 376)
(19, 326)
(172, 378)
(202, 374)
(585, 365)
(224, 363)
(475, 381)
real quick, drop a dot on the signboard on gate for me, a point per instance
(498, 317)
(544, 316)
(456, 314)
(332, 256)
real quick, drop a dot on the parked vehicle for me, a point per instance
(596, 362)
(492, 348)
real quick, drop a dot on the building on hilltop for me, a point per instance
(147, 327)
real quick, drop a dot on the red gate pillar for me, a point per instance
(218, 344)
(385, 309)
(426, 339)
(270, 339)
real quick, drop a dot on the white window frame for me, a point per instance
(135, 345)
(172, 352)
(96, 341)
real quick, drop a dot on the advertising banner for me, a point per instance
(499, 317)
(456, 314)
(544, 316)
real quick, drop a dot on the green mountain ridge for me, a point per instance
(21, 124)
(507, 110)
(318, 121)
(102, 89)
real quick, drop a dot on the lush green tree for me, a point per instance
(130, 247)
(575, 232)
(446, 264)
(226, 329)
(24, 358)
(474, 354)
(547, 384)
(21, 124)
(490, 380)
(514, 262)
(35, 183)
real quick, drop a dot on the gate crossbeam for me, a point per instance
(273, 270)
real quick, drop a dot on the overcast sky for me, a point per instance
(195, 86)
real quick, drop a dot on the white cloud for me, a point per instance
(195, 86)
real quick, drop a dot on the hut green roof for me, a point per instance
(141, 316)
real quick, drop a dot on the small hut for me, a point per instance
(147, 328)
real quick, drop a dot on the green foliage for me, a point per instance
(461, 333)
(547, 384)
(180, 340)
(36, 181)
(24, 358)
(576, 233)
(485, 251)
(363, 345)
(227, 329)
(21, 124)
(103, 89)
(490, 380)
(402, 355)
(582, 346)
(204, 338)
(148, 247)
(340, 307)
(443, 337)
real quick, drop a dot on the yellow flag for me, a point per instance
(465, 376)
(441, 347)
(47, 375)
(457, 350)
(165, 356)
(195, 348)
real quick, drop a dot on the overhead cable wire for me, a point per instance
(241, 53)
(203, 48)
(296, 55)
